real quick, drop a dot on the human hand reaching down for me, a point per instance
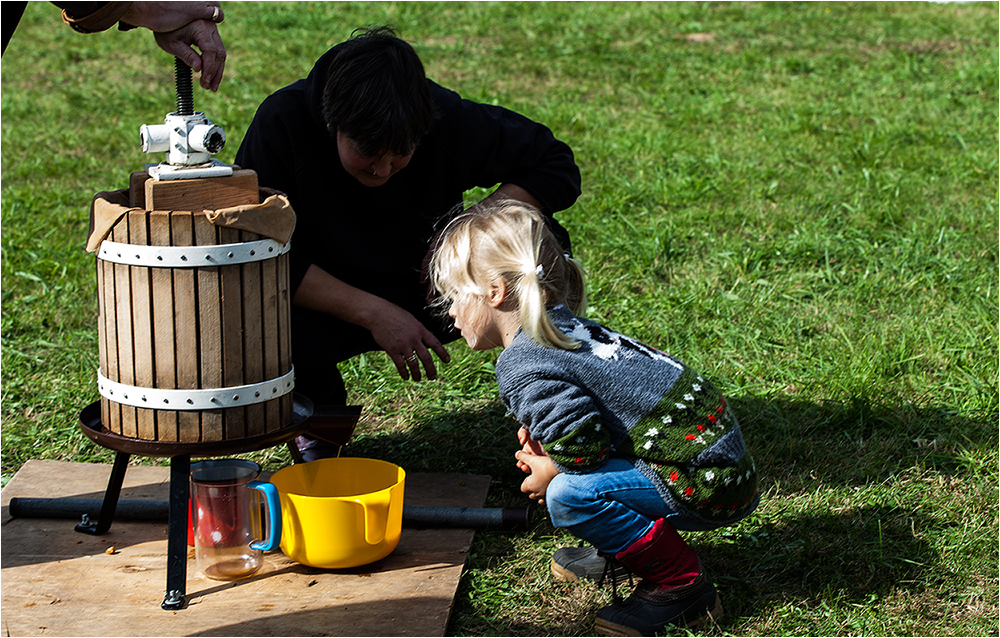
(403, 337)
(407, 342)
(204, 35)
(178, 27)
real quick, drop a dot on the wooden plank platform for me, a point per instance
(56, 581)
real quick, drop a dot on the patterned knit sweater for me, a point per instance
(616, 397)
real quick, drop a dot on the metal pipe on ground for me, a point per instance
(501, 518)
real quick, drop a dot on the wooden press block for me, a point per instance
(210, 193)
(137, 189)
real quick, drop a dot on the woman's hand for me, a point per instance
(204, 35)
(407, 342)
(178, 27)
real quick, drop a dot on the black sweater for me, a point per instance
(376, 239)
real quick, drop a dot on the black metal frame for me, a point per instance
(339, 419)
(177, 522)
(111, 495)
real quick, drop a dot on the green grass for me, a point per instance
(798, 199)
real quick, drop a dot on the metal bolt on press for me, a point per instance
(187, 137)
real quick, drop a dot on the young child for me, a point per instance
(623, 443)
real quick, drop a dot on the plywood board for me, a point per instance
(56, 581)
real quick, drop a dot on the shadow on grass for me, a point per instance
(858, 442)
(859, 556)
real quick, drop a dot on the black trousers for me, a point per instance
(12, 17)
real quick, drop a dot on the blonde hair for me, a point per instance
(509, 241)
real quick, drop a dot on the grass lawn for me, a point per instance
(800, 200)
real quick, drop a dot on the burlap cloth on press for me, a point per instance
(273, 217)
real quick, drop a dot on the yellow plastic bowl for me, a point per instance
(338, 513)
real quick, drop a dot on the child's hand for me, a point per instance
(530, 446)
(541, 470)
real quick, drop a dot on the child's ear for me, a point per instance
(498, 292)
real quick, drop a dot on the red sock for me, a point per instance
(661, 556)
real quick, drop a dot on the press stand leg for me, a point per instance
(293, 450)
(111, 495)
(177, 526)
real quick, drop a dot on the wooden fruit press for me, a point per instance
(193, 301)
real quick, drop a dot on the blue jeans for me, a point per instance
(612, 507)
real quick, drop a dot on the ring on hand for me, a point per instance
(215, 14)
(412, 358)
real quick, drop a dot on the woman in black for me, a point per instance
(375, 158)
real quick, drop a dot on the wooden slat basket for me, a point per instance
(194, 332)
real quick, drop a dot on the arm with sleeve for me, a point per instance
(563, 418)
(494, 145)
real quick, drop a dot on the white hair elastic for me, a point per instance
(539, 271)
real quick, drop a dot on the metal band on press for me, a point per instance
(197, 399)
(190, 256)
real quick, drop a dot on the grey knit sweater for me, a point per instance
(616, 397)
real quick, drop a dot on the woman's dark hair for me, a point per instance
(377, 94)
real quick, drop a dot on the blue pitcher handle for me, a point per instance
(270, 496)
